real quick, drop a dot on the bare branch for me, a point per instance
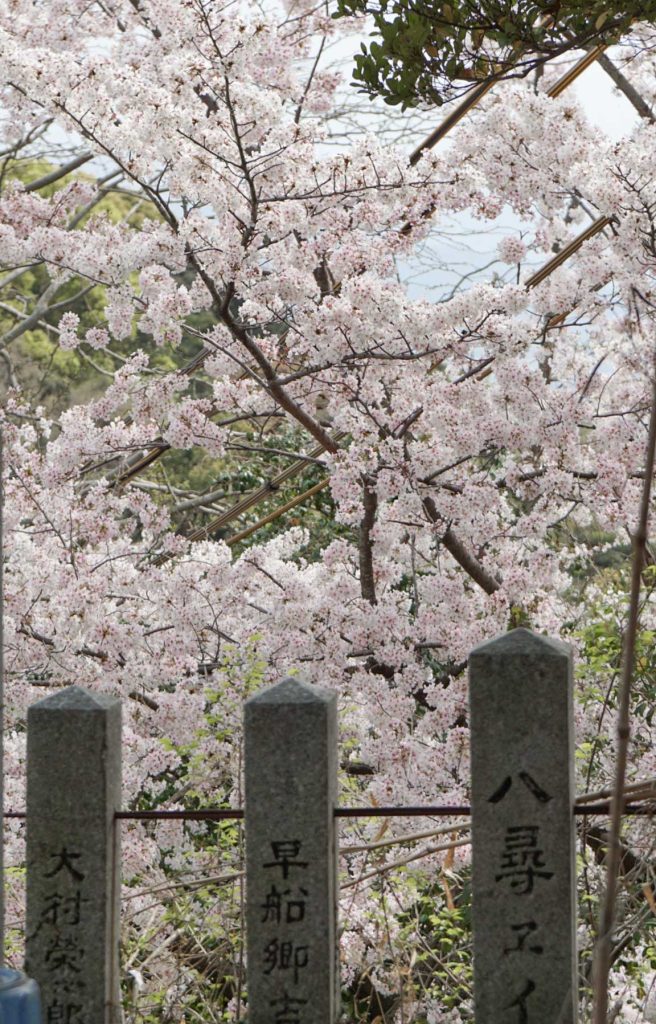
(59, 172)
(365, 544)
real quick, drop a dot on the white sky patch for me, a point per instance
(605, 105)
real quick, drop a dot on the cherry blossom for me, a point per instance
(468, 442)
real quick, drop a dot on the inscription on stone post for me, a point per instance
(73, 870)
(291, 788)
(524, 895)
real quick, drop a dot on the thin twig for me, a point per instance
(191, 883)
(642, 789)
(411, 837)
(439, 848)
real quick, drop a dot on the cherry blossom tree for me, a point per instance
(471, 461)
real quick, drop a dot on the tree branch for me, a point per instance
(59, 172)
(365, 546)
(626, 87)
(489, 583)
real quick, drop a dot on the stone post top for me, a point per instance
(75, 698)
(522, 642)
(293, 691)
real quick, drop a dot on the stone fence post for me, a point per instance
(73, 865)
(523, 836)
(291, 789)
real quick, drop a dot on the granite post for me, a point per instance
(291, 790)
(73, 866)
(524, 893)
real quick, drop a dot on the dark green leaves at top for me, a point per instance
(427, 51)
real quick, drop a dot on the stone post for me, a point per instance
(524, 893)
(291, 790)
(73, 865)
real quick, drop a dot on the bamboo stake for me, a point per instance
(278, 512)
(260, 493)
(632, 789)
(570, 76)
(473, 98)
(561, 257)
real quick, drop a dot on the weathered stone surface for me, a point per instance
(73, 865)
(524, 900)
(291, 789)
